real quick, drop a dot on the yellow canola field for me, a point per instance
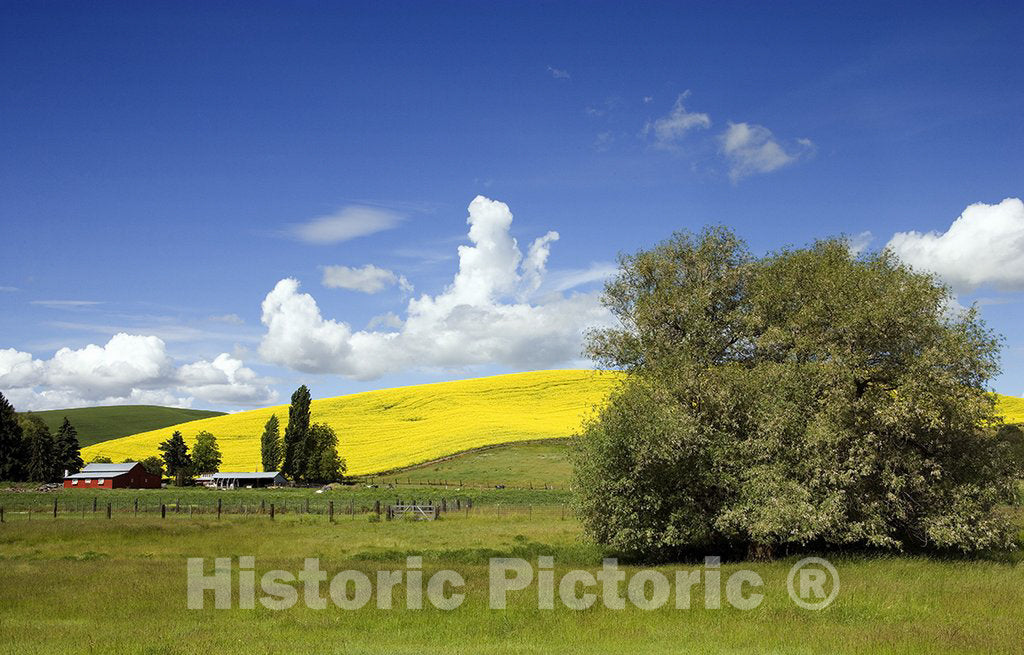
(391, 428)
(1011, 408)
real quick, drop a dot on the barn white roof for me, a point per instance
(266, 475)
(101, 470)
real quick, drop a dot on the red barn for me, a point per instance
(130, 475)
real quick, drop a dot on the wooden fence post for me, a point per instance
(376, 508)
(330, 511)
(271, 511)
(54, 508)
(94, 500)
(218, 508)
(163, 511)
(307, 506)
(136, 507)
(263, 506)
(1, 514)
(177, 506)
(108, 510)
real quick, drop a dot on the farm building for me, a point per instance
(130, 475)
(247, 480)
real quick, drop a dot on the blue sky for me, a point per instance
(165, 166)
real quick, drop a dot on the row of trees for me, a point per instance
(30, 452)
(181, 465)
(308, 452)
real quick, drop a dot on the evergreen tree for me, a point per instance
(296, 435)
(69, 453)
(13, 454)
(42, 449)
(270, 444)
(324, 463)
(177, 460)
(206, 454)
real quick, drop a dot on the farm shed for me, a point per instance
(130, 475)
(248, 480)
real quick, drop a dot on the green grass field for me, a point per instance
(98, 586)
(533, 464)
(98, 424)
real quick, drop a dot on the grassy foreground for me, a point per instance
(95, 586)
(393, 428)
(97, 424)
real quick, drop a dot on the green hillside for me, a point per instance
(96, 424)
(534, 463)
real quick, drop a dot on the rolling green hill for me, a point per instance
(98, 424)
(534, 463)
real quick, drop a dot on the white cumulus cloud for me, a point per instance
(346, 224)
(752, 149)
(128, 369)
(368, 279)
(486, 316)
(983, 246)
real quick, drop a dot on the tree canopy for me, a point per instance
(325, 465)
(297, 435)
(808, 396)
(68, 451)
(13, 452)
(42, 463)
(177, 460)
(270, 444)
(206, 457)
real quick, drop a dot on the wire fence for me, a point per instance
(331, 510)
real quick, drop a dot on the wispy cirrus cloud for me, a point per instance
(670, 129)
(65, 304)
(559, 73)
(345, 224)
(230, 319)
(367, 279)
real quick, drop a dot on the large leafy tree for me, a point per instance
(177, 460)
(206, 457)
(69, 452)
(13, 451)
(270, 444)
(297, 437)
(324, 464)
(809, 396)
(153, 465)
